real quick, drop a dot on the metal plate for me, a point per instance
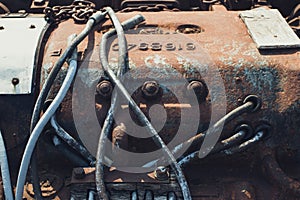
(269, 29)
(18, 39)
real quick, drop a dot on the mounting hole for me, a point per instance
(189, 29)
(255, 100)
(247, 128)
(264, 127)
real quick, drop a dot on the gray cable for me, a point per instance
(157, 139)
(5, 171)
(43, 121)
(122, 68)
(92, 22)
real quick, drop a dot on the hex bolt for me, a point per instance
(104, 88)
(199, 88)
(79, 173)
(150, 89)
(161, 173)
(15, 81)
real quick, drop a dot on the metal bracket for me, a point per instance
(269, 29)
(18, 38)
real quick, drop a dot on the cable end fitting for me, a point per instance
(98, 16)
(255, 100)
(132, 22)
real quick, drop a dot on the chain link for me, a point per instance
(154, 8)
(79, 10)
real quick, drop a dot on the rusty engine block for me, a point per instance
(150, 99)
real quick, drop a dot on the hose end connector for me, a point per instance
(98, 16)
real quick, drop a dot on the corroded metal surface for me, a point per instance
(273, 75)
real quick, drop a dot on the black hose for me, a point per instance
(74, 158)
(198, 139)
(123, 66)
(234, 139)
(145, 122)
(94, 20)
(251, 104)
(66, 137)
(257, 137)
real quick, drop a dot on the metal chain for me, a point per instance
(154, 8)
(79, 10)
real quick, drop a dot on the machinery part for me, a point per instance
(72, 142)
(260, 134)
(70, 155)
(243, 131)
(93, 21)
(104, 88)
(199, 88)
(151, 89)
(142, 118)
(272, 75)
(152, 5)
(79, 10)
(50, 185)
(252, 103)
(161, 173)
(42, 123)
(122, 68)
(5, 171)
(277, 38)
(275, 172)
(16, 75)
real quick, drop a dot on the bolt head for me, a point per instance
(199, 89)
(15, 81)
(79, 173)
(150, 89)
(161, 173)
(104, 88)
